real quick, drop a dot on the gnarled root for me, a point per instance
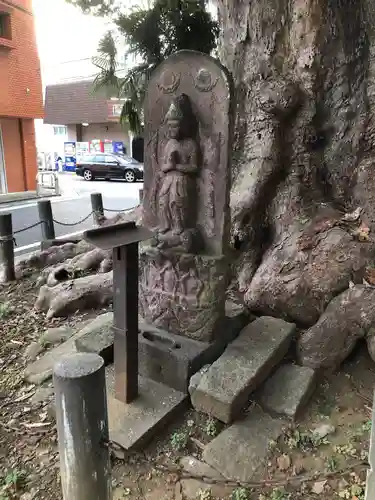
(68, 297)
(347, 318)
(52, 256)
(93, 260)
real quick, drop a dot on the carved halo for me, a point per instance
(169, 82)
(204, 81)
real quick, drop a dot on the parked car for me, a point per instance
(109, 166)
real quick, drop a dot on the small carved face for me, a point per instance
(174, 129)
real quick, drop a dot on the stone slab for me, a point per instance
(239, 452)
(165, 357)
(133, 425)
(223, 391)
(198, 469)
(288, 390)
(98, 341)
(41, 370)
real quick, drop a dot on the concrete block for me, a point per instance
(288, 390)
(41, 370)
(132, 425)
(239, 452)
(224, 390)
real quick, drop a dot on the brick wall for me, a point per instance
(19, 154)
(21, 85)
(20, 95)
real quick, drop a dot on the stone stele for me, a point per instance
(188, 130)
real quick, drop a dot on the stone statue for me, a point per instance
(188, 142)
(178, 170)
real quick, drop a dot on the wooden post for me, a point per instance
(97, 207)
(125, 305)
(46, 218)
(7, 272)
(82, 426)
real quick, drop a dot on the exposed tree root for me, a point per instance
(347, 318)
(66, 298)
(52, 256)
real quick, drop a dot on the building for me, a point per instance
(79, 114)
(21, 99)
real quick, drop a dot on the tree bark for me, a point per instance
(303, 206)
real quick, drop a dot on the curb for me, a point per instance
(23, 196)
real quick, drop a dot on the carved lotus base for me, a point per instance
(183, 293)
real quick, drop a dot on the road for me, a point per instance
(72, 206)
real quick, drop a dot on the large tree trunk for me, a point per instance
(303, 206)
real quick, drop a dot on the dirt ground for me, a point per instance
(300, 464)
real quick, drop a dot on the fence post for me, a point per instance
(46, 218)
(7, 272)
(82, 427)
(141, 196)
(97, 207)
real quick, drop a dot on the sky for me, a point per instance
(67, 39)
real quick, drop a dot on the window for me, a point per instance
(110, 159)
(88, 159)
(5, 26)
(100, 159)
(60, 130)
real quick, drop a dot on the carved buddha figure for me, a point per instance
(178, 169)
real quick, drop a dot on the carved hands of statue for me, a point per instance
(171, 163)
(187, 169)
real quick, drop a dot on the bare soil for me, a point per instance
(300, 465)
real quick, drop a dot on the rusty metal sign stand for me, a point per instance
(123, 240)
(137, 406)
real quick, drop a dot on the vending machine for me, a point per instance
(96, 146)
(114, 147)
(70, 156)
(82, 148)
(119, 147)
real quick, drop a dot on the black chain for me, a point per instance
(74, 223)
(28, 227)
(120, 211)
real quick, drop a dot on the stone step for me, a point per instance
(288, 390)
(224, 389)
(239, 452)
(167, 358)
(41, 369)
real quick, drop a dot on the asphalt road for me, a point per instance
(72, 207)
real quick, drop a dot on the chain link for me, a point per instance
(120, 211)
(67, 224)
(71, 224)
(28, 227)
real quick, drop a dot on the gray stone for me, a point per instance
(324, 430)
(172, 359)
(224, 389)
(199, 469)
(55, 336)
(132, 425)
(240, 451)
(42, 395)
(288, 390)
(99, 340)
(197, 377)
(32, 351)
(185, 272)
(41, 370)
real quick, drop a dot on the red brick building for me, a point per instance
(20, 96)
